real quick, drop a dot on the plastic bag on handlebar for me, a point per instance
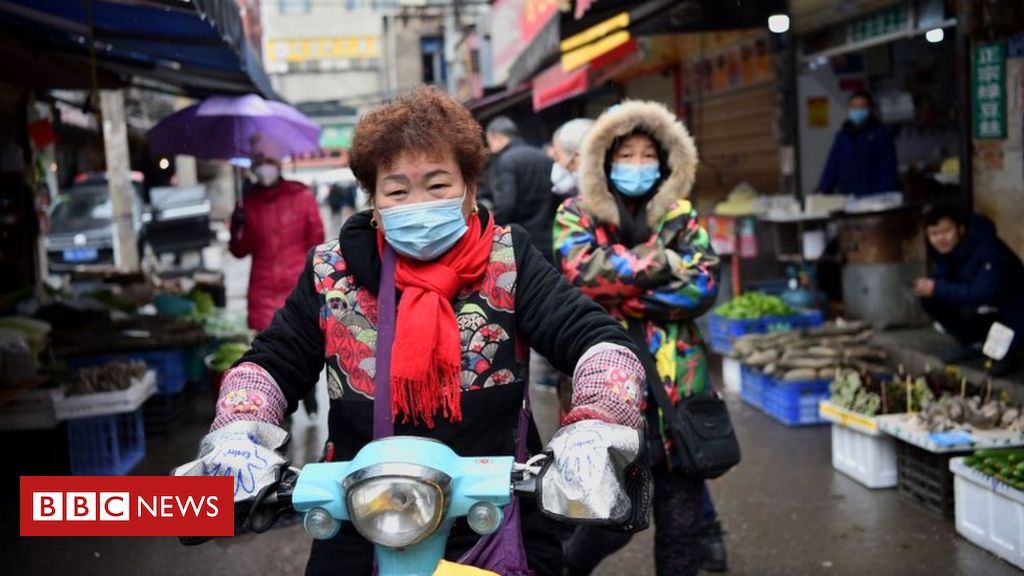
(597, 474)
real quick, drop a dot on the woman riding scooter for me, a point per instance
(473, 298)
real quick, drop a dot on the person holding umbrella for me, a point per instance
(277, 225)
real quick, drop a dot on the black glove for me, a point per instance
(237, 219)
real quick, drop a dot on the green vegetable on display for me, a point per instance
(752, 305)
(227, 355)
(203, 301)
(1005, 464)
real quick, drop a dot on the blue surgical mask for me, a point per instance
(424, 230)
(858, 115)
(635, 180)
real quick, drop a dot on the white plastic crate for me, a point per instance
(731, 375)
(30, 410)
(989, 513)
(867, 458)
(104, 403)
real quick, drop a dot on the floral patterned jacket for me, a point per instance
(521, 301)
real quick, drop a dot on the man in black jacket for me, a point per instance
(975, 281)
(519, 183)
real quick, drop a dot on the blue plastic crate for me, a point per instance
(723, 331)
(808, 319)
(168, 364)
(795, 403)
(106, 445)
(752, 386)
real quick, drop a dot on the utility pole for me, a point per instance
(451, 34)
(119, 180)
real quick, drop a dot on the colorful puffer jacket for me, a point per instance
(666, 281)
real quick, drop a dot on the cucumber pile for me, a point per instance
(1006, 464)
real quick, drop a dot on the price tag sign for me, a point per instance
(998, 342)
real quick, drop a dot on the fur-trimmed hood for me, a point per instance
(673, 138)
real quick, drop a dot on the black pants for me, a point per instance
(964, 323)
(678, 522)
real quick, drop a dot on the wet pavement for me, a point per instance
(785, 510)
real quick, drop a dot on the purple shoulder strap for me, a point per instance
(383, 425)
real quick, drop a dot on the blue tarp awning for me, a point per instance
(198, 46)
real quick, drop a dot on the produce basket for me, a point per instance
(795, 403)
(953, 441)
(989, 513)
(859, 449)
(925, 477)
(724, 330)
(106, 445)
(169, 365)
(752, 387)
(105, 403)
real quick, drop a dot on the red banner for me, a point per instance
(127, 506)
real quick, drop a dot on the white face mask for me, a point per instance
(267, 174)
(563, 182)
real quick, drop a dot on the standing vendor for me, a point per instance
(975, 281)
(862, 161)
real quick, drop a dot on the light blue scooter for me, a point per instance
(403, 494)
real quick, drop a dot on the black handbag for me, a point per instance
(698, 426)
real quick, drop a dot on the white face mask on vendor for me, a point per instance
(267, 174)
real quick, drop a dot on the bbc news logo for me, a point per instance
(127, 506)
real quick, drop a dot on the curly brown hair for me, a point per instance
(426, 121)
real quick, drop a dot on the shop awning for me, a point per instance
(498, 101)
(196, 46)
(601, 27)
(555, 85)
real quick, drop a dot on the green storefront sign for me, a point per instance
(336, 136)
(988, 86)
(882, 23)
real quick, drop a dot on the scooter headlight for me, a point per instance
(397, 505)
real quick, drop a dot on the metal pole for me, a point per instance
(115, 143)
(393, 50)
(386, 60)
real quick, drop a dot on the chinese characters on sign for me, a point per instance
(881, 23)
(989, 86)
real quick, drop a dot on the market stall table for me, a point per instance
(924, 457)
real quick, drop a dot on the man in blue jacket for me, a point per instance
(976, 280)
(862, 161)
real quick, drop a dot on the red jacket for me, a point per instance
(282, 223)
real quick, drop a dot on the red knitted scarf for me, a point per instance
(426, 360)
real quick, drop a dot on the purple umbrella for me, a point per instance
(225, 127)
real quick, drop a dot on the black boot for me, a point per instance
(713, 548)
